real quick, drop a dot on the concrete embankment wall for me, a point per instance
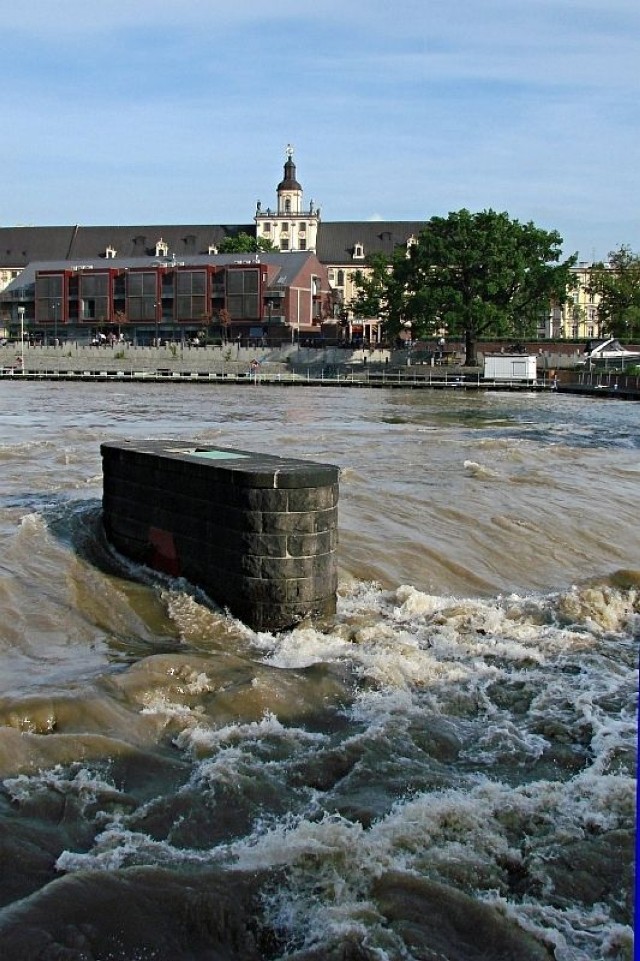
(234, 361)
(145, 359)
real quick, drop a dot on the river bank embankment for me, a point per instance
(557, 368)
(236, 359)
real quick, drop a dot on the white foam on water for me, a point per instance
(573, 656)
(512, 676)
(237, 754)
(461, 836)
(572, 934)
(255, 732)
(161, 705)
(481, 471)
(33, 522)
(86, 787)
(117, 848)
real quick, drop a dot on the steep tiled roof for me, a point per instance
(181, 240)
(335, 243)
(21, 245)
(336, 240)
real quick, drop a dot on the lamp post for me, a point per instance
(55, 323)
(21, 316)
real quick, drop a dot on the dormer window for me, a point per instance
(212, 249)
(162, 248)
(358, 252)
(110, 252)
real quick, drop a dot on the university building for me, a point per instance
(169, 282)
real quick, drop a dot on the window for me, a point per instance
(358, 252)
(110, 252)
(242, 294)
(142, 295)
(287, 205)
(94, 297)
(284, 243)
(266, 227)
(218, 285)
(285, 227)
(340, 280)
(191, 299)
(162, 248)
(49, 290)
(303, 227)
(302, 243)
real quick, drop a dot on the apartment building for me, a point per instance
(270, 298)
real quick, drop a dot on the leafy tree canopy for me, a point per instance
(471, 275)
(244, 243)
(618, 285)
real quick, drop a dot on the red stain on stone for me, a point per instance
(164, 556)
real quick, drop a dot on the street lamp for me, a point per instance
(21, 316)
(55, 323)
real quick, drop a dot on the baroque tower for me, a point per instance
(289, 227)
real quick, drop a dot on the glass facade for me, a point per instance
(182, 297)
(94, 297)
(49, 291)
(142, 295)
(242, 294)
(191, 299)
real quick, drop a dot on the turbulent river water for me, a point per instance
(446, 771)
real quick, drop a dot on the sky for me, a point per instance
(158, 112)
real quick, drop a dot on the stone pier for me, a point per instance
(257, 532)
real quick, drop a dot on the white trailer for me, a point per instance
(517, 367)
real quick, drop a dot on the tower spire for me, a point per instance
(289, 227)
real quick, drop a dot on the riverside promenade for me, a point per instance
(283, 366)
(294, 365)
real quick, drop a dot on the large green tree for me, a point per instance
(471, 275)
(617, 283)
(244, 243)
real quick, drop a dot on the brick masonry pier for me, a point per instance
(257, 532)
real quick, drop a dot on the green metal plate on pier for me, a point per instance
(208, 454)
